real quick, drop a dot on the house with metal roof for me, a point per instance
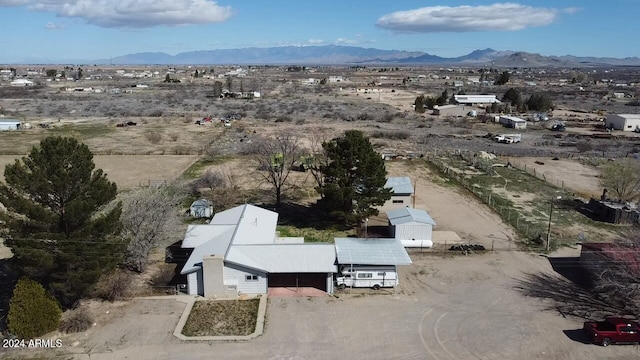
(413, 227)
(476, 99)
(402, 191)
(239, 252)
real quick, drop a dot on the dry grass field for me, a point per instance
(222, 318)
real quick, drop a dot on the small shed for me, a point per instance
(401, 189)
(624, 122)
(10, 124)
(513, 122)
(413, 227)
(201, 209)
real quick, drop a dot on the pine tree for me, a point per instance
(63, 236)
(354, 178)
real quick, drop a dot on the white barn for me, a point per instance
(513, 122)
(624, 122)
(402, 191)
(413, 227)
(239, 252)
(476, 99)
(10, 124)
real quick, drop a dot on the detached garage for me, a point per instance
(624, 122)
(412, 227)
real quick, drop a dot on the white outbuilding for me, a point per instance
(401, 192)
(413, 227)
(201, 209)
(624, 122)
(10, 124)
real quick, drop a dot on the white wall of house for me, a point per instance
(330, 283)
(624, 122)
(245, 286)
(195, 285)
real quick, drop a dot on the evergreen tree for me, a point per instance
(217, 89)
(419, 104)
(503, 78)
(32, 312)
(540, 102)
(63, 236)
(354, 178)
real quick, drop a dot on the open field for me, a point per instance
(129, 171)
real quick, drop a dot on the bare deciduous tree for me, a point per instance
(219, 186)
(622, 177)
(319, 157)
(148, 217)
(276, 157)
(618, 276)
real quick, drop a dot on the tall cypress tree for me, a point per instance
(62, 234)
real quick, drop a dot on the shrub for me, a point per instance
(174, 136)
(76, 320)
(32, 311)
(153, 137)
(114, 286)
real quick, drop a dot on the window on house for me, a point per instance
(251, 278)
(398, 202)
(365, 275)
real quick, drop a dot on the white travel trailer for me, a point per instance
(374, 277)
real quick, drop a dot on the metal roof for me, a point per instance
(285, 258)
(217, 245)
(399, 185)
(409, 215)
(197, 235)
(201, 202)
(371, 251)
(476, 99)
(10, 121)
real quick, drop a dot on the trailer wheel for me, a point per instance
(606, 342)
(342, 287)
(376, 287)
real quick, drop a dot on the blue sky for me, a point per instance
(99, 29)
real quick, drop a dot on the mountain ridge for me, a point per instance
(354, 55)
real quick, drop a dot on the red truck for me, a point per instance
(613, 330)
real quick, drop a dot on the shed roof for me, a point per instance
(10, 121)
(476, 99)
(285, 258)
(201, 202)
(371, 251)
(399, 185)
(409, 215)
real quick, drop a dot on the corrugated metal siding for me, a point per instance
(233, 272)
(411, 231)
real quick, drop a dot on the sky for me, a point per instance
(100, 29)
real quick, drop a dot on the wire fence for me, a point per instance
(532, 231)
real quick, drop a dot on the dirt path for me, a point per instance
(455, 210)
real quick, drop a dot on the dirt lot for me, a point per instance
(464, 307)
(582, 179)
(129, 171)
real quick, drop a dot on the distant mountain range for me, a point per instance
(352, 55)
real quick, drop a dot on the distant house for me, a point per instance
(336, 79)
(458, 83)
(476, 99)
(22, 82)
(413, 227)
(239, 252)
(201, 209)
(513, 122)
(624, 122)
(451, 110)
(401, 192)
(10, 124)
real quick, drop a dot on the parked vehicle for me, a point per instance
(613, 330)
(508, 138)
(374, 277)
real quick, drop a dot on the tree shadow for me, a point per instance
(577, 335)
(8, 280)
(309, 216)
(565, 296)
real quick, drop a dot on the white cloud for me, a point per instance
(495, 17)
(53, 26)
(131, 13)
(345, 41)
(315, 41)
